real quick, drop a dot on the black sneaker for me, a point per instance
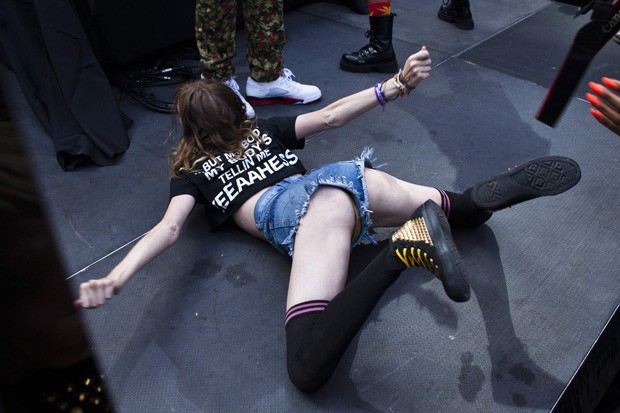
(426, 241)
(549, 175)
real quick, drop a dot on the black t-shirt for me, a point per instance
(223, 184)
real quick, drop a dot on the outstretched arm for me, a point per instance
(95, 293)
(416, 68)
(606, 103)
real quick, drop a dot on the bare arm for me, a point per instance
(416, 68)
(95, 293)
(606, 103)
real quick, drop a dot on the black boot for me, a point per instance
(457, 12)
(378, 55)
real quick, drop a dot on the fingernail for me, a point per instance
(593, 99)
(598, 115)
(609, 82)
(596, 87)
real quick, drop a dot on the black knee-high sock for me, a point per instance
(319, 332)
(461, 211)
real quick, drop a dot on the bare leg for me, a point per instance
(322, 247)
(392, 200)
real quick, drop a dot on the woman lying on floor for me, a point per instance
(248, 172)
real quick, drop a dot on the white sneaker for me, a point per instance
(283, 90)
(249, 110)
(232, 83)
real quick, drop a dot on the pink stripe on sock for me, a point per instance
(294, 310)
(445, 202)
(305, 308)
(309, 310)
(307, 304)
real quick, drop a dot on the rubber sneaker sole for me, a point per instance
(275, 101)
(540, 177)
(449, 267)
(284, 100)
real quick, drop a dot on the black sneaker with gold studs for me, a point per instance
(426, 241)
(549, 175)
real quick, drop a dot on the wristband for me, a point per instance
(380, 94)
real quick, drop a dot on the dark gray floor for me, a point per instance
(200, 329)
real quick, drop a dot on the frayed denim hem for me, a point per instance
(279, 211)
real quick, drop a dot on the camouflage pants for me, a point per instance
(216, 23)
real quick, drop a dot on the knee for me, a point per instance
(305, 380)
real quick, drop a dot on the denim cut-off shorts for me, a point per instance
(279, 210)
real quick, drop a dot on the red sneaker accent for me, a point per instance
(274, 101)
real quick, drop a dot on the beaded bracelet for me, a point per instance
(403, 89)
(382, 84)
(380, 93)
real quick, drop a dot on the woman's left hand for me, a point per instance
(606, 103)
(416, 68)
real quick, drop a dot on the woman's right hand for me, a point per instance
(95, 293)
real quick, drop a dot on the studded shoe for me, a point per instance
(426, 241)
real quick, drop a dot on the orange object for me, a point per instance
(610, 82)
(598, 115)
(593, 99)
(596, 87)
(380, 8)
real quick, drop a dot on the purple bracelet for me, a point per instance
(380, 94)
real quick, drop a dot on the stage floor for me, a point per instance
(201, 328)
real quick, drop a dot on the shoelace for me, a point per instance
(370, 47)
(287, 73)
(288, 78)
(415, 257)
(232, 83)
(415, 230)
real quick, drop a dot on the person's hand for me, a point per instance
(95, 293)
(606, 103)
(416, 68)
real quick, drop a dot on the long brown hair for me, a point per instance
(212, 117)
